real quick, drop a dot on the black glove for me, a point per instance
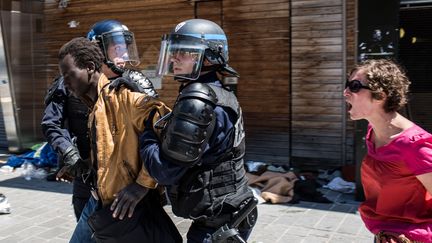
(127, 83)
(74, 165)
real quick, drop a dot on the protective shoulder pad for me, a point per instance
(199, 91)
(226, 98)
(142, 81)
(187, 132)
(56, 89)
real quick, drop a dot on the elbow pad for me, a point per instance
(192, 123)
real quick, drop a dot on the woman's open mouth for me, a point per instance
(349, 106)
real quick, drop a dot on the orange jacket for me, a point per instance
(119, 118)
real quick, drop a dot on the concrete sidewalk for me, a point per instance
(42, 212)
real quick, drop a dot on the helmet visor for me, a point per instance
(120, 48)
(182, 59)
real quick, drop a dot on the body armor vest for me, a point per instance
(217, 187)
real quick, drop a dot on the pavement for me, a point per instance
(42, 212)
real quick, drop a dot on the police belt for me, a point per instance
(232, 220)
(214, 222)
(224, 181)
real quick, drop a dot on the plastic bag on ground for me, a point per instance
(340, 185)
(4, 205)
(28, 170)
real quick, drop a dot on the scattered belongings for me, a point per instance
(4, 205)
(32, 164)
(42, 155)
(277, 184)
(340, 185)
(275, 187)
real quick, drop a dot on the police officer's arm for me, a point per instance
(164, 171)
(57, 136)
(134, 81)
(185, 137)
(53, 120)
(188, 131)
(167, 172)
(145, 84)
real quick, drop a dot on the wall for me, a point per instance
(259, 34)
(318, 77)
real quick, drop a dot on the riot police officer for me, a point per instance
(199, 154)
(64, 123)
(118, 46)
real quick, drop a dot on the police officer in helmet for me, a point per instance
(199, 154)
(64, 123)
(118, 46)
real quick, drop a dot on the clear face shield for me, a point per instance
(120, 48)
(180, 57)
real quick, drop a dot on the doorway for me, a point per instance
(415, 54)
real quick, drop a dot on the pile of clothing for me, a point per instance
(33, 164)
(276, 184)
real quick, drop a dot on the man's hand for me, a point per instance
(63, 175)
(127, 83)
(74, 165)
(126, 200)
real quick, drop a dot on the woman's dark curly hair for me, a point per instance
(386, 76)
(83, 51)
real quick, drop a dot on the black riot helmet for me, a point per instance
(116, 42)
(183, 50)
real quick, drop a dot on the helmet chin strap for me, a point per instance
(180, 79)
(212, 68)
(116, 69)
(223, 69)
(228, 71)
(204, 70)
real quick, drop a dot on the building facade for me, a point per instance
(292, 55)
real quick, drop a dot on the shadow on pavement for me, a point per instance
(35, 184)
(343, 203)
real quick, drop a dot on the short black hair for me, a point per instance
(83, 51)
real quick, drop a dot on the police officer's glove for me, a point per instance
(127, 83)
(74, 165)
(126, 200)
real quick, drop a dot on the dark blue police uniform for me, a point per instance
(215, 187)
(65, 117)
